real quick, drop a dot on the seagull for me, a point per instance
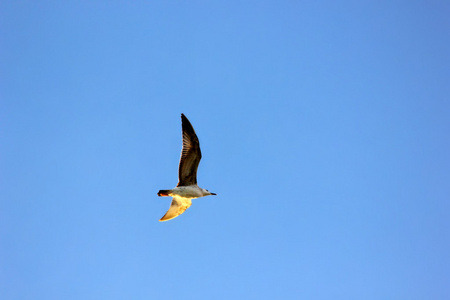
(187, 188)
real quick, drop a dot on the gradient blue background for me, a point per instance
(325, 131)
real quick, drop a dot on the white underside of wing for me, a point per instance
(177, 207)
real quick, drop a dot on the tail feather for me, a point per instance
(163, 193)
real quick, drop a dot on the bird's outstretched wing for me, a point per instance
(190, 155)
(177, 207)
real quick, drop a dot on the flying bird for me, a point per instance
(187, 188)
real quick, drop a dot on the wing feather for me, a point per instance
(177, 207)
(190, 155)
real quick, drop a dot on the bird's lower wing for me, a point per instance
(178, 206)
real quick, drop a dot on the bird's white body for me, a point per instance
(190, 191)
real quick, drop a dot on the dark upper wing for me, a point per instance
(190, 155)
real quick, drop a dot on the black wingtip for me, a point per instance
(186, 124)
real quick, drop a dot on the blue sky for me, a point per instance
(324, 128)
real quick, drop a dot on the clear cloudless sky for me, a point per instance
(324, 126)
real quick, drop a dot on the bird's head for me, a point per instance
(207, 193)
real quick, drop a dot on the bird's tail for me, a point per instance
(163, 193)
